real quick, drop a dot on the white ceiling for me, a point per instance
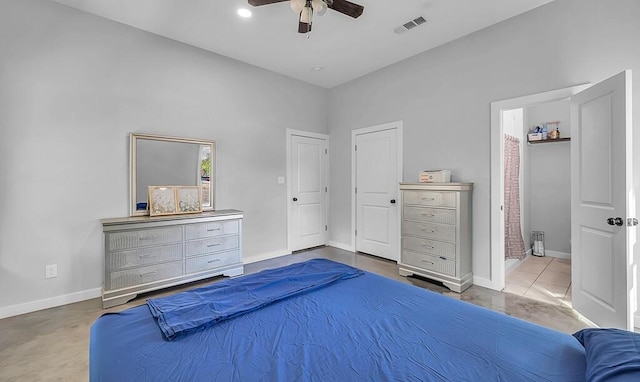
(345, 48)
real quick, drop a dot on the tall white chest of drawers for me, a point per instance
(145, 253)
(436, 233)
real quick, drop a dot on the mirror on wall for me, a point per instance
(157, 160)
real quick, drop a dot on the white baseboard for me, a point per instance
(636, 323)
(560, 255)
(32, 306)
(346, 247)
(481, 281)
(266, 256)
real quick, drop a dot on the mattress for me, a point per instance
(359, 328)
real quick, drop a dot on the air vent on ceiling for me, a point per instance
(410, 25)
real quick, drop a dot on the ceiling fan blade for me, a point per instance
(346, 7)
(304, 27)
(256, 3)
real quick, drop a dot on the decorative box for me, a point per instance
(435, 176)
(534, 137)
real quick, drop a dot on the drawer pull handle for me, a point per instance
(443, 258)
(428, 246)
(432, 215)
(149, 238)
(213, 245)
(148, 274)
(430, 231)
(213, 229)
(428, 198)
(213, 261)
(147, 255)
(426, 261)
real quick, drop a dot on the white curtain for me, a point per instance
(513, 242)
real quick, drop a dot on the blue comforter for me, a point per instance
(200, 308)
(367, 328)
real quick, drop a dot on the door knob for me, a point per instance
(295, 199)
(615, 221)
(393, 201)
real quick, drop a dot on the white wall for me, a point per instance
(549, 169)
(72, 87)
(443, 96)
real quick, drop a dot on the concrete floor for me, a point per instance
(53, 344)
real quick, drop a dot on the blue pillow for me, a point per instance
(612, 354)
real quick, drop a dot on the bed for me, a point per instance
(303, 323)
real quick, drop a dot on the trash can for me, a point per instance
(537, 243)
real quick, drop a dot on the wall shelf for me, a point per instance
(549, 141)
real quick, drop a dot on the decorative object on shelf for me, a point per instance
(555, 132)
(435, 176)
(171, 200)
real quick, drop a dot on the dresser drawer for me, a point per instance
(430, 198)
(203, 263)
(118, 241)
(432, 263)
(214, 244)
(202, 230)
(426, 214)
(430, 247)
(434, 231)
(144, 256)
(142, 275)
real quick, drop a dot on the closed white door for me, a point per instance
(308, 192)
(376, 193)
(601, 201)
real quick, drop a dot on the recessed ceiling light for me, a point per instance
(244, 12)
(317, 68)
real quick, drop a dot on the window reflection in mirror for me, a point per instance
(170, 161)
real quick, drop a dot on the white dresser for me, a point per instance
(436, 232)
(145, 253)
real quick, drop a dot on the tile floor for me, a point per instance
(546, 279)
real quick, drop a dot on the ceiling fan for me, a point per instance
(306, 8)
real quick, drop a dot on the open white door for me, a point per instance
(308, 191)
(377, 206)
(601, 203)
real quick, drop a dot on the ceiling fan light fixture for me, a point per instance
(297, 5)
(319, 7)
(306, 15)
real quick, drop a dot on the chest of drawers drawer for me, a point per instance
(211, 229)
(425, 230)
(203, 263)
(430, 198)
(432, 263)
(211, 245)
(144, 256)
(117, 241)
(147, 274)
(427, 214)
(429, 247)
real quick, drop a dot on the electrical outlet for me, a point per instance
(51, 271)
(281, 180)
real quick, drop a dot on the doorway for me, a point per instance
(376, 174)
(307, 189)
(603, 279)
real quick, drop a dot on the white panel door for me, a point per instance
(376, 194)
(308, 176)
(601, 192)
